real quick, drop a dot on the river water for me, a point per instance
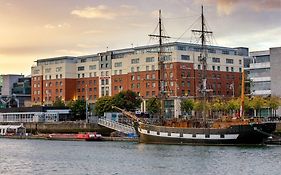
(127, 158)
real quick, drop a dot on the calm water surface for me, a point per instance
(124, 158)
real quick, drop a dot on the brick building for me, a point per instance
(137, 69)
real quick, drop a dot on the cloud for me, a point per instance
(86, 46)
(105, 12)
(70, 52)
(226, 7)
(93, 32)
(99, 12)
(262, 39)
(51, 26)
(138, 25)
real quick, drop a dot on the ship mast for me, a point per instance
(203, 60)
(161, 60)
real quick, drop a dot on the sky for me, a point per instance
(38, 29)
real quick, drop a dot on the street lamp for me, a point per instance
(86, 99)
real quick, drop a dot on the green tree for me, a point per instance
(78, 109)
(153, 106)
(127, 100)
(256, 103)
(59, 103)
(273, 104)
(218, 106)
(233, 105)
(103, 104)
(187, 105)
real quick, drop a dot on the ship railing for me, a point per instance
(116, 126)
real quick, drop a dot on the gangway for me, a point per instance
(127, 129)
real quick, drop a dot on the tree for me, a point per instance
(103, 104)
(78, 109)
(257, 103)
(127, 100)
(187, 105)
(153, 106)
(274, 103)
(233, 105)
(218, 106)
(59, 103)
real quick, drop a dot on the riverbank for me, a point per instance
(46, 137)
(62, 127)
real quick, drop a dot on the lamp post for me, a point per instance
(86, 99)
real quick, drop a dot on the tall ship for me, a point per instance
(226, 130)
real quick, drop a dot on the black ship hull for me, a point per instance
(234, 135)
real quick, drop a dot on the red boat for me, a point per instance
(94, 137)
(86, 136)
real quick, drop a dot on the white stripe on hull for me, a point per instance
(190, 136)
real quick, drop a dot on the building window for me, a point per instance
(181, 48)
(147, 93)
(92, 67)
(185, 57)
(213, 67)
(81, 68)
(199, 66)
(132, 69)
(240, 61)
(232, 69)
(147, 76)
(58, 69)
(147, 85)
(138, 69)
(216, 60)
(48, 70)
(219, 68)
(227, 69)
(229, 61)
(153, 67)
(225, 52)
(147, 68)
(153, 84)
(240, 69)
(135, 61)
(149, 59)
(171, 75)
(153, 76)
(118, 64)
(171, 66)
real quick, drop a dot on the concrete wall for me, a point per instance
(64, 127)
(275, 62)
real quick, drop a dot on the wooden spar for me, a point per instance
(128, 114)
(242, 95)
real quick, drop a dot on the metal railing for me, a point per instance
(116, 126)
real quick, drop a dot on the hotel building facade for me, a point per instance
(137, 69)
